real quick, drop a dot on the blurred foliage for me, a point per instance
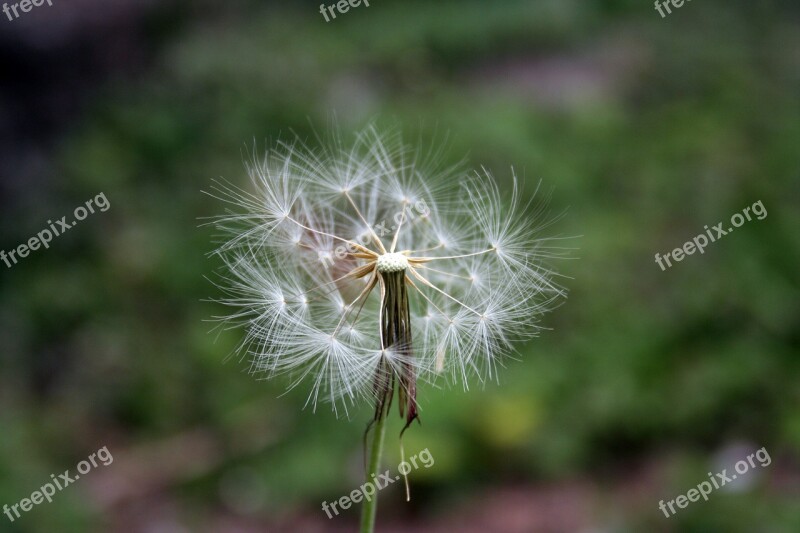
(645, 129)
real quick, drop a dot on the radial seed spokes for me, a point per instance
(409, 252)
(473, 254)
(332, 236)
(356, 273)
(375, 237)
(437, 289)
(442, 272)
(367, 289)
(399, 225)
(414, 285)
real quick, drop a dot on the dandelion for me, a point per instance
(364, 270)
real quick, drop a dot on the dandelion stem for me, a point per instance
(370, 508)
(395, 323)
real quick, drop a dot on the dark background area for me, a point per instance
(645, 128)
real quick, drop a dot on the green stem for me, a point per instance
(370, 507)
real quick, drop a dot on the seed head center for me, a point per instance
(392, 262)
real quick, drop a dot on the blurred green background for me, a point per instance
(646, 129)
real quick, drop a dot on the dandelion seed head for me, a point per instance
(391, 262)
(306, 246)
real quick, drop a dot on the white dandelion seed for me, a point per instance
(361, 271)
